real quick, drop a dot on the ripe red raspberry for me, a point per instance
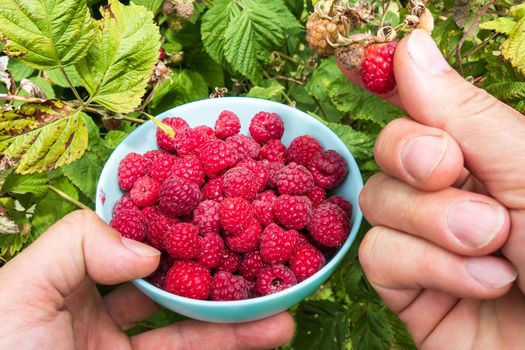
(189, 168)
(260, 169)
(274, 279)
(211, 250)
(274, 168)
(182, 241)
(240, 182)
(130, 169)
(130, 223)
(125, 202)
(377, 67)
(316, 195)
(277, 244)
(230, 261)
(216, 156)
(163, 140)
(206, 131)
(328, 169)
(226, 287)
(153, 154)
(235, 214)
(273, 151)
(179, 196)
(245, 146)
(187, 141)
(341, 203)
(162, 166)
(302, 149)
(266, 126)
(301, 239)
(247, 240)
(189, 279)
(150, 213)
(228, 124)
(251, 265)
(293, 212)
(206, 217)
(145, 191)
(157, 229)
(212, 190)
(294, 179)
(329, 225)
(306, 261)
(263, 207)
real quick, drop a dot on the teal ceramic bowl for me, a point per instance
(206, 112)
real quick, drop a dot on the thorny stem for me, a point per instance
(68, 198)
(385, 8)
(71, 86)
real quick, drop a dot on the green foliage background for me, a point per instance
(78, 81)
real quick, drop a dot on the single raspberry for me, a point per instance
(187, 141)
(263, 207)
(294, 179)
(240, 182)
(206, 217)
(260, 169)
(217, 156)
(162, 167)
(293, 212)
(226, 287)
(211, 250)
(153, 154)
(228, 124)
(247, 240)
(328, 169)
(189, 168)
(182, 241)
(130, 223)
(230, 261)
(274, 168)
(329, 225)
(341, 203)
(150, 213)
(157, 229)
(164, 140)
(131, 168)
(273, 151)
(377, 67)
(316, 195)
(212, 190)
(145, 191)
(245, 146)
(274, 279)
(206, 131)
(302, 149)
(266, 126)
(277, 244)
(125, 202)
(235, 214)
(189, 279)
(322, 29)
(179, 196)
(306, 261)
(251, 265)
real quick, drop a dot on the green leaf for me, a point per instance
(84, 173)
(152, 5)
(119, 64)
(507, 90)
(57, 77)
(114, 138)
(518, 11)
(514, 47)
(19, 70)
(46, 34)
(44, 85)
(210, 70)
(270, 90)
(282, 13)
(320, 325)
(40, 137)
(501, 25)
(318, 84)
(370, 328)
(36, 184)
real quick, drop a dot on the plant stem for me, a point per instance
(71, 86)
(68, 198)
(282, 77)
(385, 8)
(134, 120)
(21, 98)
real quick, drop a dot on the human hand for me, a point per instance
(48, 297)
(452, 193)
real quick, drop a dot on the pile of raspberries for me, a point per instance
(235, 216)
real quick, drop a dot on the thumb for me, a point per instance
(80, 245)
(490, 133)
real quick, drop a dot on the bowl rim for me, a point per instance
(332, 264)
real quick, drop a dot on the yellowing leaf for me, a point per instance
(46, 34)
(119, 64)
(514, 46)
(503, 25)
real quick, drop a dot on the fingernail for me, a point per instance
(490, 271)
(475, 223)
(425, 54)
(141, 249)
(421, 155)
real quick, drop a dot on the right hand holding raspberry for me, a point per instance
(452, 193)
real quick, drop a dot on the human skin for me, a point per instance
(448, 209)
(49, 299)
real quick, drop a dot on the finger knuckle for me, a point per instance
(474, 103)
